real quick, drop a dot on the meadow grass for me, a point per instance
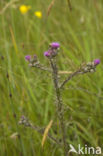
(80, 34)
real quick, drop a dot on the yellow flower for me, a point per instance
(38, 14)
(24, 8)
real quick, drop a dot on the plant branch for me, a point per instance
(69, 78)
(24, 121)
(88, 68)
(40, 66)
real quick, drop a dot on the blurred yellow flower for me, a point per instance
(24, 8)
(38, 14)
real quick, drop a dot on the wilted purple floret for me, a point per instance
(35, 56)
(28, 57)
(55, 45)
(47, 53)
(96, 61)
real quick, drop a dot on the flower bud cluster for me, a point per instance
(91, 66)
(24, 121)
(30, 59)
(52, 51)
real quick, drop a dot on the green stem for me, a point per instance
(59, 104)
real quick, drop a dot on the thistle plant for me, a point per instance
(51, 54)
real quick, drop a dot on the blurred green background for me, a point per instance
(29, 91)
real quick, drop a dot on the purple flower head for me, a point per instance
(47, 53)
(50, 53)
(55, 45)
(96, 61)
(53, 50)
(28, 57)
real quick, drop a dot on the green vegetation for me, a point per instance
(28, 91)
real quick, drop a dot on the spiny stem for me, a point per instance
(59, 104)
